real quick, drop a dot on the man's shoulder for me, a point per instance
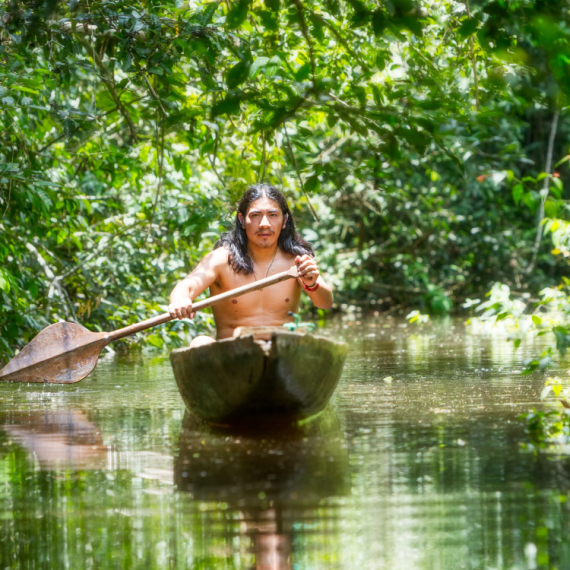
(286, 257)
(218, 257)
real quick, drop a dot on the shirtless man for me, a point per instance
(264, 242)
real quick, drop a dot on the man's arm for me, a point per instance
(313, 283)
(203, 276)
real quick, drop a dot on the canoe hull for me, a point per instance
(241, 380)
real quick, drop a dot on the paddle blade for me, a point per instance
(62, 353)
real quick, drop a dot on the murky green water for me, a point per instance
(421, 472)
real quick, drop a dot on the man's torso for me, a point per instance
(271, 306)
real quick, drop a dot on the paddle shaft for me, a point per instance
(237, 292)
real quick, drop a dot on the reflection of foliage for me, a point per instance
(127, 131)
(550, 427)
(417, 317)
(298, 326)
(547, 315)
(547, 427)
(543, 32)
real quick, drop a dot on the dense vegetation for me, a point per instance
(417, 142)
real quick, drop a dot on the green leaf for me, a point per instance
(518, 191)
(256, 66)
(205, 16)
(274, 5)
(551, 209)
(273, 65)
(269, 19)
(530, 368)
(228, 106)
(536, 319)
(557, 187)
(545, 362)
(361, 13)
(24, 89)
(33, 289)
(237, 15)
(312, 183)
(379, 22)
(317, 30)
(468, 27)
(412, 24)
(529, 200)
(497, 8)
(303, 72)
(417, 139)
(545, 391)
(4, 280)
(561, 339)
(237, 74)
(155, 340)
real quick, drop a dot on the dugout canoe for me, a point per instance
(277, 376)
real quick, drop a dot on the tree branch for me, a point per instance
(544, 192)
(155, 96)
(306, 35)
(55, 284)
(473, 61)
(313, 211)
(328, 151)
(263, 163)
(58, 138)
(341, 40)
(279, 159)
(108, 80)
(293, 110)
(160, 151)
(52, 142)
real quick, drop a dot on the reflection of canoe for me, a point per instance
(289, 466)
(289, 377)
(272, 483)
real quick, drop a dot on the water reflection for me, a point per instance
(419, 469)
(58, 439)
(271, 482)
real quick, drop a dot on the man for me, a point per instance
(264, 242)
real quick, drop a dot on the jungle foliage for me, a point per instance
(549, 429)
(411, 138)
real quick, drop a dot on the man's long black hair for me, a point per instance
(236, 240)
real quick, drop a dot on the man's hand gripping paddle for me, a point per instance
(64, 353)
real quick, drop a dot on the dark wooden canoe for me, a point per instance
(241, 380)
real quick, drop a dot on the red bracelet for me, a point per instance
(311, 289)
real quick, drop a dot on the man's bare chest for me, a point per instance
(280, 297)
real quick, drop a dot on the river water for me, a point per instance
(418, 463)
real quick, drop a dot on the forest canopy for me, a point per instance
(421, 145)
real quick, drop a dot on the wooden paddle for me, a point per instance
(64, 353)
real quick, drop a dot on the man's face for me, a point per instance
(263, 222)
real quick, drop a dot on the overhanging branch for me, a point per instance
(109, 82)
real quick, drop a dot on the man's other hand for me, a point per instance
(181, 309)
(307, 268)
